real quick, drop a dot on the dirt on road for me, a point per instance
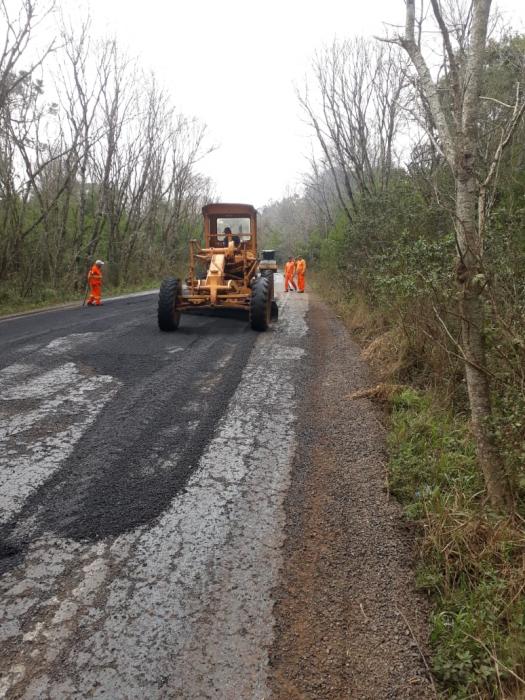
(349, 623)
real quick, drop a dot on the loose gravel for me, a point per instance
(349, 622)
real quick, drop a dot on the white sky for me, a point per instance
(234, 64)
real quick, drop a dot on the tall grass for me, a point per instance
(472, 560)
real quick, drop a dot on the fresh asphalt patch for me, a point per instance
(145, 443)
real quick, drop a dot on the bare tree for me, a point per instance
(20, 117)
(19, 31)
(318, 191)
(355, 112)
(105, 167)
(454, 100)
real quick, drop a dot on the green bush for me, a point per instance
(472, 561)
(431, 452)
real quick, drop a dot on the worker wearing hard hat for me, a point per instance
(289, 272)
(301, 271)
(95, 283)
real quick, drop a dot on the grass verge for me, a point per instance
(472, 561)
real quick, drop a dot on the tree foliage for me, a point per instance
(95, 161)
(391, 258)
(392, 238)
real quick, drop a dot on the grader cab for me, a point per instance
(224, 273)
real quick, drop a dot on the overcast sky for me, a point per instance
(234, 64)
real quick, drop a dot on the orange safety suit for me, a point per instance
(95, 285)
(289, 272)
(301, 269)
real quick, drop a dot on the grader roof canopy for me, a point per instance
(229, 210)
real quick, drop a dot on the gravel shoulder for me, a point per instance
(348, 620)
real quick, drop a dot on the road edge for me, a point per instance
(349, 621)
(71, 305)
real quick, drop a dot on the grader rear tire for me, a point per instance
(261, 304)
(168, 315)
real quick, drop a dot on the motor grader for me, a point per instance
(225, 273)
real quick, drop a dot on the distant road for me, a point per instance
(71, 305)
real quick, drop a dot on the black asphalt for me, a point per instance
(146, 441)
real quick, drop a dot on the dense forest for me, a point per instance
(435, 290)
(95, 160)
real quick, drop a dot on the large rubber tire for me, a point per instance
(260, 304)
(168, 316)
(269, 276)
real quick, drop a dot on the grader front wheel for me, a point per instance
(168, 315)
(261, 304)
(269, 276)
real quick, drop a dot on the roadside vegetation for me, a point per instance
(471, 558)
(95, 161)
(436, 296)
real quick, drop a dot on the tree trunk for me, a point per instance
(471, 282)
(459, 141)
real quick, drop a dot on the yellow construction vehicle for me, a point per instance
(224, 273)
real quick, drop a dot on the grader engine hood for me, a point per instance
(215, 282)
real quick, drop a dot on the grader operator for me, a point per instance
(224, 273)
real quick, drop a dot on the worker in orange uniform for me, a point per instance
(95, 284)
(301, 270)
(289, 272)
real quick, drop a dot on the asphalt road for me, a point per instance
(142, 479)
